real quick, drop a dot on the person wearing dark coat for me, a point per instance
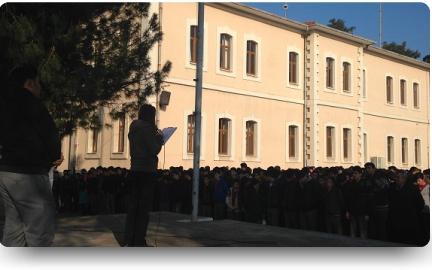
(253, 202)
(359, 204)
(334, 207)
(290, 201)
(145, 144)
(380, 187)
(310, 194)
(405, 207)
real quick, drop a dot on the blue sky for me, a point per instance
(401, 21)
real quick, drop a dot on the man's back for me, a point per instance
(29, 137)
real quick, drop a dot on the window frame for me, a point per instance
(349, 157)
(257, 140)
(405, 103)
(333, 84)
(259, 55)
(349, 78)
(390, 155)
(115, 154)
(188, 64)
(231, 138)
(417, 95)
(186, 155)
(298, 143)
(404, 152)
(417, 152)
(391, 102)
(334, 156)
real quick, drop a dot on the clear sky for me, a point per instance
(401, 21)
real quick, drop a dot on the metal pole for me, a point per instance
(380, 25)
(197, 113)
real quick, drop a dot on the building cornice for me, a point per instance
(257, 14)
(307, 28)
(399, 57)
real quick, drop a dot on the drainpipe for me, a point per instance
(306, 34)
(159, 63)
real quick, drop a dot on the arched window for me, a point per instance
(389, 89)
(190, 133)
(251, 57)
(329, 72)
(225, 52)
(251, 138)
(293, 68)
(224, 142)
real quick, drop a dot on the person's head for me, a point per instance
(25, 76)
(329, 183)
(356, 173)
(147, 113)
(402, 178)
(370, 168)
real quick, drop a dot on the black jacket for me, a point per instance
(404, 219)
(145, 145)
(29, 139)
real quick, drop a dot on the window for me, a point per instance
(390, 149)
(293, 68)
(190, 133)
(92, 141)
(251, 138)
(121, 133)
(224, 136)
(225, 52)
(346, 81)
(403, 92)
(404, 150)
(364, 83)
(417, 151)
(193, 43)
(346, 144)
(416, 95)
(329, 72)
(330, 145)
(365, 153)
(389, 89)
(251, 58)
(293, 142)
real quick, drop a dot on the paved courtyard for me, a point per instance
(174, 230)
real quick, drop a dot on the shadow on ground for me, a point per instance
(173, 230)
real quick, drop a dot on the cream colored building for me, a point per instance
(276, 92)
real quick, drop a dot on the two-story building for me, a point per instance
(275, 92)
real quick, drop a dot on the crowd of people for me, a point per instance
(389, 205)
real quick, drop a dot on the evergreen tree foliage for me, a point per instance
(89, 56)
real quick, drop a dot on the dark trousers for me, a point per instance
(142, 186)
(308, 220)
(272, 216)
(291, 219)
(333, 224)
(378, 223)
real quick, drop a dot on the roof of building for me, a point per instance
(308, 27)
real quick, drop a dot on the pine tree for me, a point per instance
(339, 24)
(401, 49)
(89, 56)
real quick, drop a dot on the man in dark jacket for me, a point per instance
(405, 206)
(359, 204)
(29, 147)
(145, 144)
(380, 187)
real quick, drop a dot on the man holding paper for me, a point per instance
(145, 141)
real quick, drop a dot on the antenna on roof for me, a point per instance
(285, 7)
(380, 24)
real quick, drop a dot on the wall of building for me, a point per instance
(271, 101)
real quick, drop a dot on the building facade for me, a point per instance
(275, 92)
